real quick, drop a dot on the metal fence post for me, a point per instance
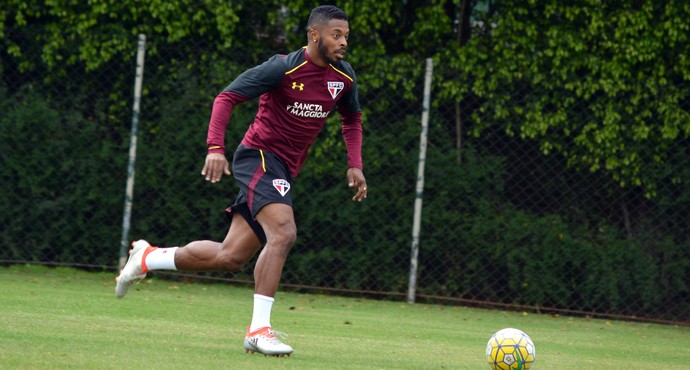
(417, 220)
(129, 191)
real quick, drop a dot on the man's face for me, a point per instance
(333, 41)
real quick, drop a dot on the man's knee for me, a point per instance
(283, 237)
(230, 262)
(278, 223)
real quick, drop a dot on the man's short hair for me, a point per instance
(321, 15)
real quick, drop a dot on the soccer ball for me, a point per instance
(510, 349)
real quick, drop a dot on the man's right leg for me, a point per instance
(239, 246)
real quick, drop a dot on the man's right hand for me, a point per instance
(215, 166)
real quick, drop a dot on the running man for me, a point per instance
(296, 92)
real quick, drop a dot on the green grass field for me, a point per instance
(64, 318)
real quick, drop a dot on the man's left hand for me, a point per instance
(356, 180)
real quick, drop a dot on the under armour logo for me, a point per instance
(295, 86)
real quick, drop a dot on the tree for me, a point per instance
(603, 83)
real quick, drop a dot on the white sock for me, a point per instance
(161, 259)
(262, 312)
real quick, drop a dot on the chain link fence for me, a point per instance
(503, 224)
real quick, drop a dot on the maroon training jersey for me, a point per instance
(296, 97)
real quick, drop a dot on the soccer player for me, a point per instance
(297, 92)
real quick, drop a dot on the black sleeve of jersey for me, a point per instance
(258, 80)
(350, 101)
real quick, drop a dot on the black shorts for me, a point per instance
(263, 178)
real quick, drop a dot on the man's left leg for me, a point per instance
(277, 220)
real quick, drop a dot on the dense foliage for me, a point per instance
(557, 170)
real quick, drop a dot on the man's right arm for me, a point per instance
(251, 84)
(220, 116)
(216, 165)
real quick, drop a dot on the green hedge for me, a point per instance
(62, 201)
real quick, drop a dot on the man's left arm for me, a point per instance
(352, 134)
(351, 119)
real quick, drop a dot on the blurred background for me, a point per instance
(557, 173)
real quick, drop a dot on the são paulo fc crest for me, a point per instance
(335, 88)
(282, 186)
